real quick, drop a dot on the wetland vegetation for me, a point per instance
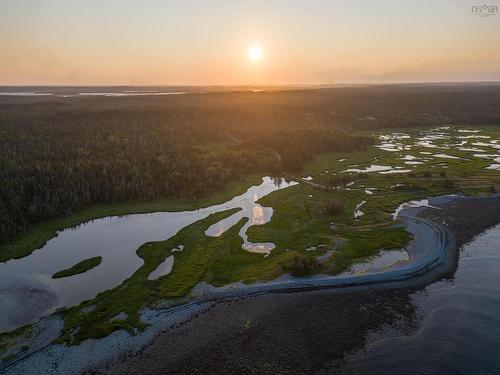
(339, 213)
(60, 155)
(301, 228)
(83, 266)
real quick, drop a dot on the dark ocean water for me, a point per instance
(457, 324)
(451, 326)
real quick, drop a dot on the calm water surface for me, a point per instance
(458, 330)
(28, 292)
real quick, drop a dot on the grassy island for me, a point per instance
(81, 267)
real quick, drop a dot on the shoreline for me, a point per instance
(42, 232)
(427, 266)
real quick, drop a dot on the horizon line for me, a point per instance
(298, 85)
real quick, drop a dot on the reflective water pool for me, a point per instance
(28, 292)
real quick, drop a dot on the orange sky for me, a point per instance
(206, 42)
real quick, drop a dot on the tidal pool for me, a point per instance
(163, 269)
(256, 214)
(415, 203)
(468, 131)
(471, 149)
(371, 168)
(393, 171)
(379, 263)
(446, 156)
(391, 147)
(409, 157)
(357, 210)
(484, 144)
(28, 292)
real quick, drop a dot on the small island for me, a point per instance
(81, 267)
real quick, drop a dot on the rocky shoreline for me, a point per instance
(465, 217)
(294, 332)
(192, 338)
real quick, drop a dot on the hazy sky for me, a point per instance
(207, 41)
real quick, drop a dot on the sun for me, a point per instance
(255, 53)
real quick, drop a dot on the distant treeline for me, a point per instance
(58, 155)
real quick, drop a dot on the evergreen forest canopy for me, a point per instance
(59, 155)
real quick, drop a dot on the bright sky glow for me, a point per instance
(199, 42)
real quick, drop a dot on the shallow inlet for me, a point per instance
(256, 214)
(93, 352)
(163, 269)
(357, 210)
(438, 139)
(384, 260)
(446, 156)
(371, 168)
(395, 171)
(28, 292)
(412, 204)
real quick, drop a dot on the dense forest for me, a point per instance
(55, 160)
(60, 155)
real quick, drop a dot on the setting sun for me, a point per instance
(255, 53)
